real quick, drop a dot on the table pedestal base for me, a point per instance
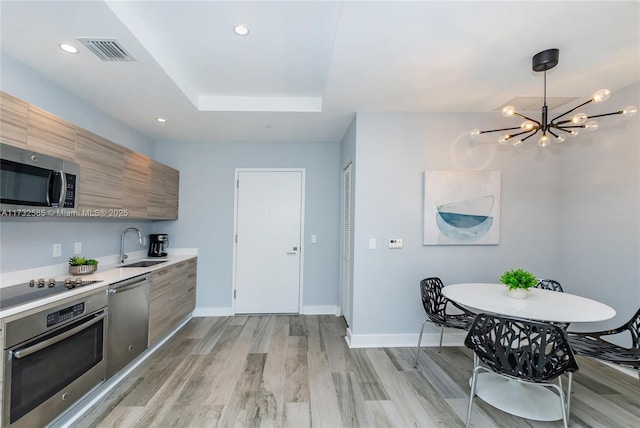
(524, 400)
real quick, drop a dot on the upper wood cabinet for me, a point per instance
(13, 121)
(114, 181)
(101, 172)
(50, 135)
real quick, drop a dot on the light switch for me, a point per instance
(57, 250)
(314, 239)
(77, 248)
(372, 243)
(395, 243)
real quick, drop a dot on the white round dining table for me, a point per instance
(540, 304)
(525, 400)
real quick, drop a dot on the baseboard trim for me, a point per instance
(321, 310)
(402, 340)
(225, 312)
(212, 312)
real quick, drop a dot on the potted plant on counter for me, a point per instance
(518, 281)
(81, 266)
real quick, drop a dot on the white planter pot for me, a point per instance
(517, 293)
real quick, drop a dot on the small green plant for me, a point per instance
(80, 261)
(518, 278)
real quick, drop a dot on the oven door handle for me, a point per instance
(46, 343)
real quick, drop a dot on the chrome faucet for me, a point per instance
(123, 256)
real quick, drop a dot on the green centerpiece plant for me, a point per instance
(518, 281)
(80, 266)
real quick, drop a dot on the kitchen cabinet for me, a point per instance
(50, 135)
(13, 121)
(163, 192)
(172, 297)
(101, 173)
(114, 181)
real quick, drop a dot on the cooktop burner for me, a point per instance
(38, 289)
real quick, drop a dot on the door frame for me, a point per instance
(235, 230)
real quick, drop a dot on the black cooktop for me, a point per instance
(38, 289)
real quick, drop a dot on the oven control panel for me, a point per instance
(65, 314)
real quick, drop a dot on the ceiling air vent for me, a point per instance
(107, 49)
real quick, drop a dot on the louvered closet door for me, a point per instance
(347, 237)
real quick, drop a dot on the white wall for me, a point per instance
(207, 172)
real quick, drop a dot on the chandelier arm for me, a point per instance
(552, 133)
(532, 134)
(606, 114)
(526, 117)
(520, 133)
(498, 130)
(567, 128)
(573, 109)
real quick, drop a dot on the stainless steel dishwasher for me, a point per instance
(128, 332)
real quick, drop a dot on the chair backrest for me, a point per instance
(549, 284)
(432, 299)
(633, 325)
(529, 350)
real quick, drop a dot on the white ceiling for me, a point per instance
(307, 66)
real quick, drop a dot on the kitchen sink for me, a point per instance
(145, 263)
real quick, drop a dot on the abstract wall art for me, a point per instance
(461, 208)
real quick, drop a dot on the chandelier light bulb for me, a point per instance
(630, 111)
(592, 125)
(508, 111)
(573, 133)
(601, 95)
(517, 142)
(504, 139)
(474, 132)
(579, 118)
(544, 141)
(560, 138)
(527, 125)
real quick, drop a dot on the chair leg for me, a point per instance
(415, 364)
(441, 333)
(570, 378)
(474, 378)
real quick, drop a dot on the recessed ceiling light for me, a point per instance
(241, 30)
(68, 48)
(161, 119)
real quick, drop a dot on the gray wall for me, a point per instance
(569, 212)
(27, 243)
(600, 211)
(207, 172)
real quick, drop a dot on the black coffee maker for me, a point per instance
(157, 244)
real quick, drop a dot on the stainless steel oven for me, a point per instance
(52, 359)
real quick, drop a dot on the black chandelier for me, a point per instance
(558, 129)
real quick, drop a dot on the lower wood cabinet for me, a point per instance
(173, 297)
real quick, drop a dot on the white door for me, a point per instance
(268, 236)
(346, 245)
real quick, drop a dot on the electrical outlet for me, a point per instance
(57, 250)
(77, 248)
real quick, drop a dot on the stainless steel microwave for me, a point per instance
(35, 184)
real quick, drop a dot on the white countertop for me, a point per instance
(107, 274)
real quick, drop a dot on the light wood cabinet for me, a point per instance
(114, 181)
(172, 297)
(50, 135)
(163, 191)
(135, 192)
(13, 121)
(101, 172)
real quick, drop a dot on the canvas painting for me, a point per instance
(461, 208)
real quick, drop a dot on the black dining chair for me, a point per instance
(524, 350)
(595, 345)
(549, 284)
(437, 307)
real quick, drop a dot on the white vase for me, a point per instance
(517, 293)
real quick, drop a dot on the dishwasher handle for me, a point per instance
(129, 284)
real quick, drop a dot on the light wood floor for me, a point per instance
(297, 371)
